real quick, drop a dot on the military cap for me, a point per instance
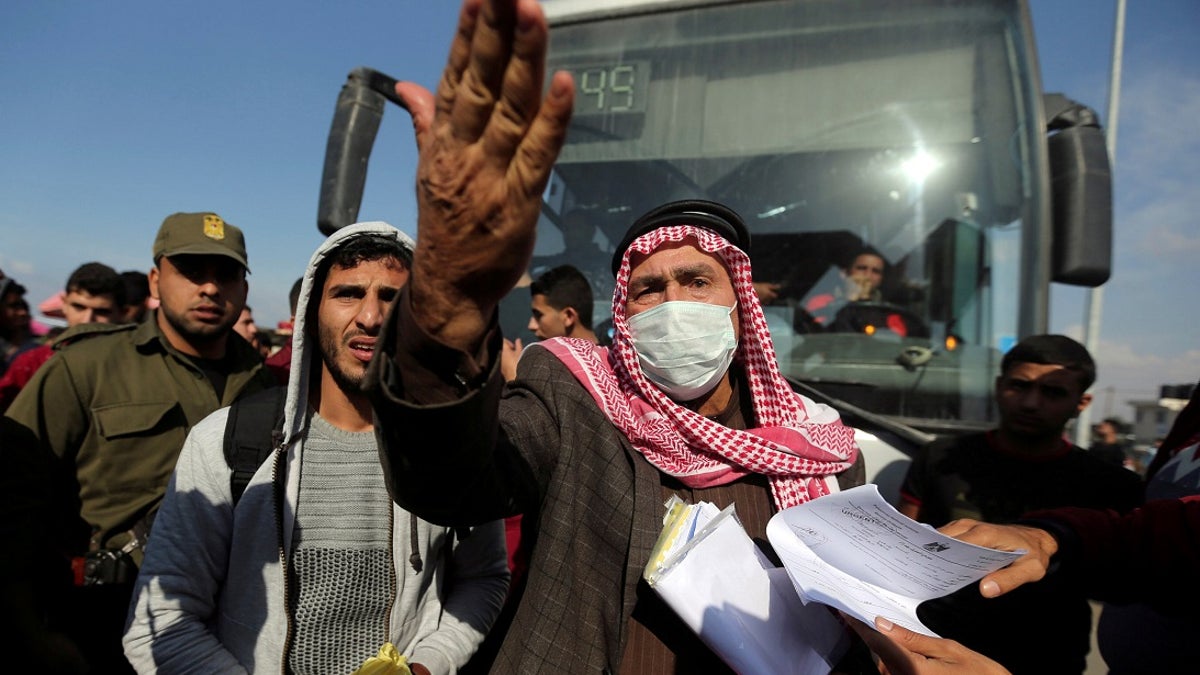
(200, 234)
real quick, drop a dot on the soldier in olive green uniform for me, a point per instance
(115, 405)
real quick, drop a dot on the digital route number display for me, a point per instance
(603, 89)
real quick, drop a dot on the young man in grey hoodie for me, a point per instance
(313, 568)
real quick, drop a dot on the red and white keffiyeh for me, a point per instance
(799, 444)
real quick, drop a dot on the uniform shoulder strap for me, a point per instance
(252, 431)
(84, 331)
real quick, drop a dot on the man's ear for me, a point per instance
(1084, 401)
(570, 317)
(152, 280)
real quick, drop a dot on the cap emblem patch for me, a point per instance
(214, 227)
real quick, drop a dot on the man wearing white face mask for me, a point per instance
(686, 401)
(684, 347)
(587, 441)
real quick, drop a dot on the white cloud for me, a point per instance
(1162, 368)
(17, 268)
(1130, 374)
(1126, 371)
(1164, 239)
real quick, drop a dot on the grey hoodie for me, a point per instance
(210, 596)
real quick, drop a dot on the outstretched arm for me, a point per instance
(1147, 550)
(1040, 544)
(486, 146)
(1141, 556)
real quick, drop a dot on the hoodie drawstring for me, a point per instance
(415, 558)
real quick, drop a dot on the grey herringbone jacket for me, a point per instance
(466, 456)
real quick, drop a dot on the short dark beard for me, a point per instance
(329, 345)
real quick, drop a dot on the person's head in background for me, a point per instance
(14, 311)
(1109, 430)
(864, 276)
(578, 231)
(258, 338)
(561, 305)
(95, 293)
(264, 340)
(293, 300)
(1043, 385)
(294, 295)
(245, 325)
(137, 296)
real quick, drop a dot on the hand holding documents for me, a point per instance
(718, 582)
(853, 551)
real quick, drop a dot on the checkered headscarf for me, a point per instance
(799, 444)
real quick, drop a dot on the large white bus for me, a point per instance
(918, 129)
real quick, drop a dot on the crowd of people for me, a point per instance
(401, 479)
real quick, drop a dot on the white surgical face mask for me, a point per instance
(684, 347)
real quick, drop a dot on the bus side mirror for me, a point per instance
(355, 123)
(1081, 189)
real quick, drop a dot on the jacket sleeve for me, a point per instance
(174, 598)
(19, 373)
(47, 423)
(477, 583)
(53, 409)
(1150, 555)
(444, 454)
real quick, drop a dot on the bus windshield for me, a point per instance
(879, 153)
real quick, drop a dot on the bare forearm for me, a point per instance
(1148, 550)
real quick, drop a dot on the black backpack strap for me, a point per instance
(253, 430)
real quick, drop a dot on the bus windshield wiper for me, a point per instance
(847, 409)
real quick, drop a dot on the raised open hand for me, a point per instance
(487, 144)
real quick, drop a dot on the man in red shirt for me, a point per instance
(95, 294)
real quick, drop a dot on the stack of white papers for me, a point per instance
(710, 572)
(850, 550)
(853, 551)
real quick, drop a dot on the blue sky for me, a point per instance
(1149, 326)
(117, 114)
